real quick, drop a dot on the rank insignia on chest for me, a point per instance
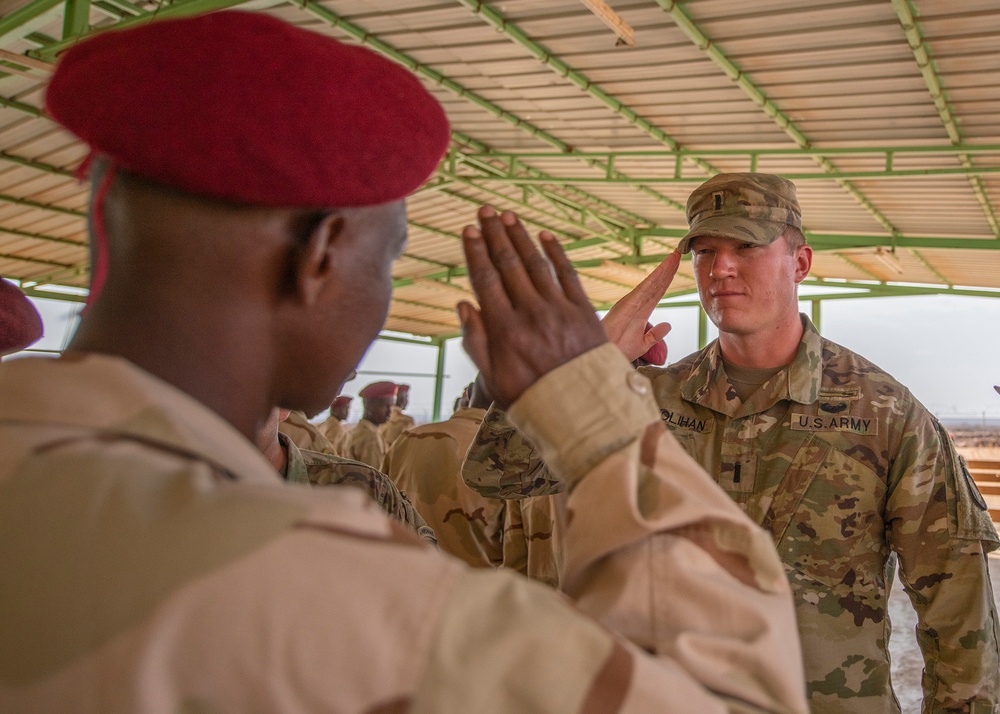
(866, 426)
(684, 422)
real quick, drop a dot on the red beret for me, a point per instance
(378, 390)
(402, 388)
(657, 354)
(245, 108)
(341, 401)
(20, 323)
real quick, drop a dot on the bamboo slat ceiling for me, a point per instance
(882, 111)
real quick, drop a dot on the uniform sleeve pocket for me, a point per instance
(969, 517)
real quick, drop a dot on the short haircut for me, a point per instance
(794, 238)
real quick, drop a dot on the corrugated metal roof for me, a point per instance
(883, 113)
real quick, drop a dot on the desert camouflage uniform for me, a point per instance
(426, 464)
(316, 469)
(335, 431)
(364, 443)
(845, 468)
(152, 561)
(395, 425)
(305, 435)
(533, 531)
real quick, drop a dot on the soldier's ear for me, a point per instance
(312, 261)
(803, 262)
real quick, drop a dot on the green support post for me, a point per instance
(702, 327)
(23, 21)
(76, 18)
(816, 313)
(439, 380)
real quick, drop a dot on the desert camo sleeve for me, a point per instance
(655, 552)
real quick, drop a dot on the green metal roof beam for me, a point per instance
(25, 20)
(35, 261)
(178, 9)
(123, 8)
(527, 219)
(860, 268)
(666, 302)
(447, 325)
(47, 295)
(508, 202)
(937, 273)
(834, 175)
(827, 241)
(71, 272)
(482, 162)
(37, 165)
(44, 206)
(743, 81)
(461, 270)
(891, 289)
(76, 17)
(21, 106)
(42, 237)
(880, 292)
(577, 78)
(406, 340)
(918, 44)
(422, 306)
(583, 196)
(428, 261)
(387, 50)
(946, 149)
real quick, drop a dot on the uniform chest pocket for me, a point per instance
(826, 518)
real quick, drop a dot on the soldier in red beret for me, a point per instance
(249, 181)
(364, 443)
(333, 428)
(20, 323)
(398, 422)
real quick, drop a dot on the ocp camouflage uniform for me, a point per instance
(426, 464)
(533, 531)
(395, 425)
(533, 525)
(363, 443)
(846, 470)
(305, 435)
(316, 469)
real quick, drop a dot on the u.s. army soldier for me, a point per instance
(837, 460)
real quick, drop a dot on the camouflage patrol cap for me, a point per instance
(751, 208)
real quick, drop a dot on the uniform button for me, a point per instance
(637, 383)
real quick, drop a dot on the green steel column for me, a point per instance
(439, 380)
(816, 314)
(22, 21)
(76, 18)
(702, 327)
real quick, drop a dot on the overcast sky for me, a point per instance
(943, 348)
